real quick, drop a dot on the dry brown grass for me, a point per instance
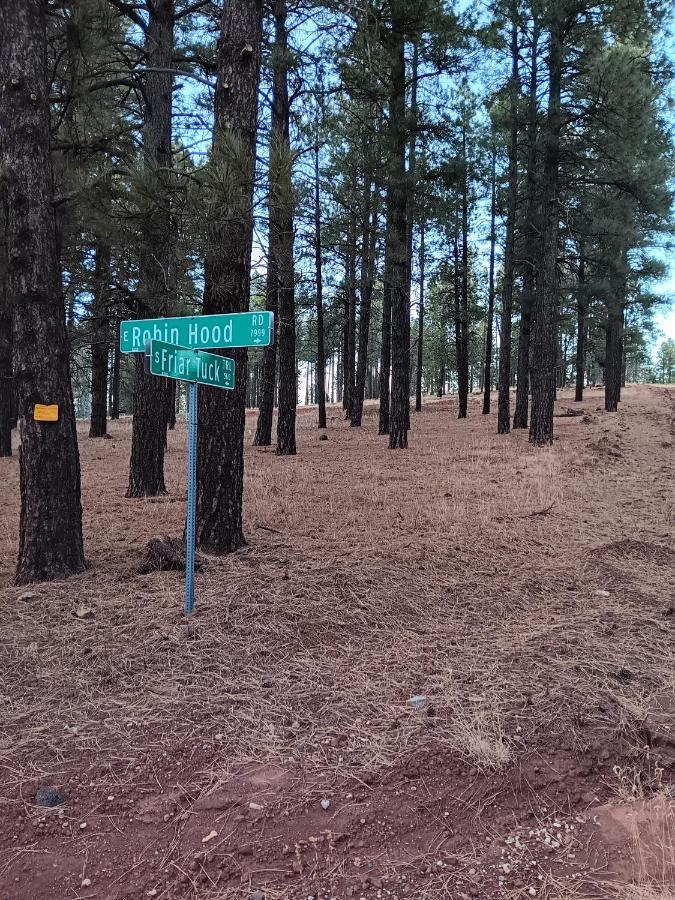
(464, 569)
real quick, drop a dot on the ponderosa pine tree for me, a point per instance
(368, 251)
(503, 403)
(146, 466)
(529, 232)
(282, 207)
(318, 273)
(100, 341)
(6, 374)
(487, 368)
(280, 288)
(227, 271)
(543, 328)
(50, 529)
(462, 320)
(397, 229)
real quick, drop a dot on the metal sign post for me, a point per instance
(191, 499)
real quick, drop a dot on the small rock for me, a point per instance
(86, 882)
(218, 737)
(601, 593)
(209, 837)
(152, 892)
(256, 807)
(325, 803)
(84, 612)
(416, 702)
(49, 796)
(27, 595)
(83, 825)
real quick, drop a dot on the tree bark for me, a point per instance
(6, 377)
(420, 320)
(263, 431)
(282, 191)
(385, 347)
(320, 334)
(146, 467)
(614, 335)
(487, 372)
(545, 305)
(520, 416)
(367, 280)
(581, 328)
(397, 228)
(115, 383)
(463, 346)
(411, 197)
(504, 403)
(50, 527)
(457, 307)
(350, 314)
(171, 404)
(227, 274)
(100, 342)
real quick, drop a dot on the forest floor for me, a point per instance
(270, 747)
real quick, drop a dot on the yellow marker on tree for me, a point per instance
(46, 413)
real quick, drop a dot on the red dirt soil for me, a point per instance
(527, 595)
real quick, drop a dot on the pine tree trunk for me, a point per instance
(457, 308)
(397, 228)
(227, 276)
(350, 313)
(504, 403)
(385, 348)
(263, 431)
(412, 212)
(581, 329)
(487, 374)
(115, 384)
(520, 416)
(6, 378)
(100, 342)
(146, 467)
(171, 404)
(320, 333)
(50, 527)
(614, 338)
(282, 191)
(463, 357)
(545, 305)
(420, 321)
(339, 376)
(6, 384)
(369, 241)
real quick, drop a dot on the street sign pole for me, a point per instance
(191, 500)
(174, 348)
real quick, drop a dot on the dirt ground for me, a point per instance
(446, 672)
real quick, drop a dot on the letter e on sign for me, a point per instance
(43, 413)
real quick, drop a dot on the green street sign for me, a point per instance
(186, 364)
(251, 329)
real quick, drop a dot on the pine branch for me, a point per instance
(131, 10)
